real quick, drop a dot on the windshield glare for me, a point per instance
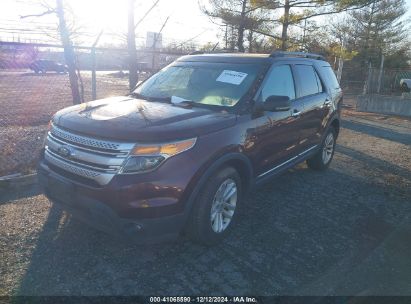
(218, 84)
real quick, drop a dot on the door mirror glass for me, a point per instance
(276, 103)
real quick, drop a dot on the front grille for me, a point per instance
(84, 140)
(84, 156)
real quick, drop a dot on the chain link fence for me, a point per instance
(356, 81)
(34, 85)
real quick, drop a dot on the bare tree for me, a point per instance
(131, 41)
(69, 54)
(65, 38)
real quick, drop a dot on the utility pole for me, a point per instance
(155, 38)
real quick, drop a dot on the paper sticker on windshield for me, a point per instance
(232, 77)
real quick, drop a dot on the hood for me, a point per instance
(130, 119)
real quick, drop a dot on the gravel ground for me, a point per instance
(345, 231)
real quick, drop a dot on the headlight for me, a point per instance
(148, 157)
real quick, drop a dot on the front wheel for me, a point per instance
(322, 159)
(215, 208)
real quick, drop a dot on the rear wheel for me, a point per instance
(215, 209)
(322, 159)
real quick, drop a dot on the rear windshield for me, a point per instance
(221, 84)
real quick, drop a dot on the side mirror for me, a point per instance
(277, 103)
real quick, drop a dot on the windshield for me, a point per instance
(211, 84)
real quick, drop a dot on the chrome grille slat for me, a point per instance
(87, 157)
(62, 142)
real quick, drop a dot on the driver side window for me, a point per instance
(279, 82)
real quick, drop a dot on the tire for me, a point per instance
(201, 227)
(322, 159)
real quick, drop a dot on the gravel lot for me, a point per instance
(342, 232)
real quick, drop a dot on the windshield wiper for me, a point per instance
(148, 98)
(138, 95)
(181, 102)
(184, 103)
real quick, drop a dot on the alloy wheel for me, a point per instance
(223, 206)
(328, 148)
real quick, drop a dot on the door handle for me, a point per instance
(296, 113)
(327, 103)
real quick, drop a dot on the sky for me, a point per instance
(186, 21)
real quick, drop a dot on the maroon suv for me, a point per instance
(179, 154)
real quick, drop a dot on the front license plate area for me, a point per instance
(61, 190)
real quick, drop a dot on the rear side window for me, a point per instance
(280, 82)
(309, 85)
(330, 77)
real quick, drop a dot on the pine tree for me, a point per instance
(378, 30)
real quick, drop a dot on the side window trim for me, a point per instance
(320, 82)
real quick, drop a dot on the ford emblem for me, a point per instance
(65, 151)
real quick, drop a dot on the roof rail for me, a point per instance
(196, 53)
(297, 54)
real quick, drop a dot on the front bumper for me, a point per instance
(87, 204)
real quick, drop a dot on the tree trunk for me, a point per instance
(368, 32)
(232, 38)
(131, 46)
(250, 41)
(286, 22)
(241, 28)
(69, 55)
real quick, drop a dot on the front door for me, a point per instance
(278, 140)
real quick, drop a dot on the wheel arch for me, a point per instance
(237, 160)
(335, 123)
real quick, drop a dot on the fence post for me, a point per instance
(368, 80)
(93, 74)
(340, 68)
(380, 74)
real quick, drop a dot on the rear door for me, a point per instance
(312, 94)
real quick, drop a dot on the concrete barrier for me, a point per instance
(398, 105)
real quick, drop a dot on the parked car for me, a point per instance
(405, 85)
(43, 66)
(180, 153)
